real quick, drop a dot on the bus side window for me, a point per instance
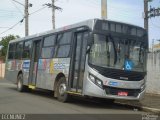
(11, 53)
(48, 48)
(64, 38)
(64, 45)
(63, 51)
(27, 49)
(19, 50)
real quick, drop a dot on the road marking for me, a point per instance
(152, 109)
(148, 109)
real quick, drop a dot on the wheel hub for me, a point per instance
(62, 89)
(19, 84)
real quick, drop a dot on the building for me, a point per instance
(156, 47)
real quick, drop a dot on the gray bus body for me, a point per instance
(98, 58)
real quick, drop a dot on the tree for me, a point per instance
(4, 44)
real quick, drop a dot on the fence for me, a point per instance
(153, 73)
(2, 69)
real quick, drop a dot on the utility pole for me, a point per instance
(54, 8)
(53, 14)
(26, 14)
(26, 18)
(104, 9)
(146, 15)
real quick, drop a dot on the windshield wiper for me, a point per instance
(115, 54)
(140, 51)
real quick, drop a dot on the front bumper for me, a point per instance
(93, 90)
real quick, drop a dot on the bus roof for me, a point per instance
(89, 23)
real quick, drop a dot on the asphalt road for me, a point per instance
(43, 102)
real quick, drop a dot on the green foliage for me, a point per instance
(4, 44)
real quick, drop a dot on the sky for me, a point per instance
(129, 11)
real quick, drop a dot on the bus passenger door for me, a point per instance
(79, 57)
(34, 62)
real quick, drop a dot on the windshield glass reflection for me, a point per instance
(118, 53)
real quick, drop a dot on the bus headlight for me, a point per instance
(96, 81)
(92, 78)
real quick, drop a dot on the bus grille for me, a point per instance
(114, 91)
(120, 74)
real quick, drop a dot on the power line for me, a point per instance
(17, 8)
(38, 10)
(9, 28)
(18, 3)
(26, 14)
(154, 24)
(7, 10)
(3, 27)
(6, 14)
(12, 26)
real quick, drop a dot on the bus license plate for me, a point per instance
(122, 93)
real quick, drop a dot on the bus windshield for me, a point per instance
(118, 53)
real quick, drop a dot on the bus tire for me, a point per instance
(61, 89)
(20, 86)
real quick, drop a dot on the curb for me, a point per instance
(146, 109)
(149, 109)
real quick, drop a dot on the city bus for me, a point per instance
(94, 58)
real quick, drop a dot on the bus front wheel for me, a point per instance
(20, 86)
(61, 90)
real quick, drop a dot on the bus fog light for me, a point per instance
(99, 82)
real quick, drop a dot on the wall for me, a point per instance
(153, 71)
(2, 70)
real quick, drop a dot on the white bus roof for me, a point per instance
(89, 23)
